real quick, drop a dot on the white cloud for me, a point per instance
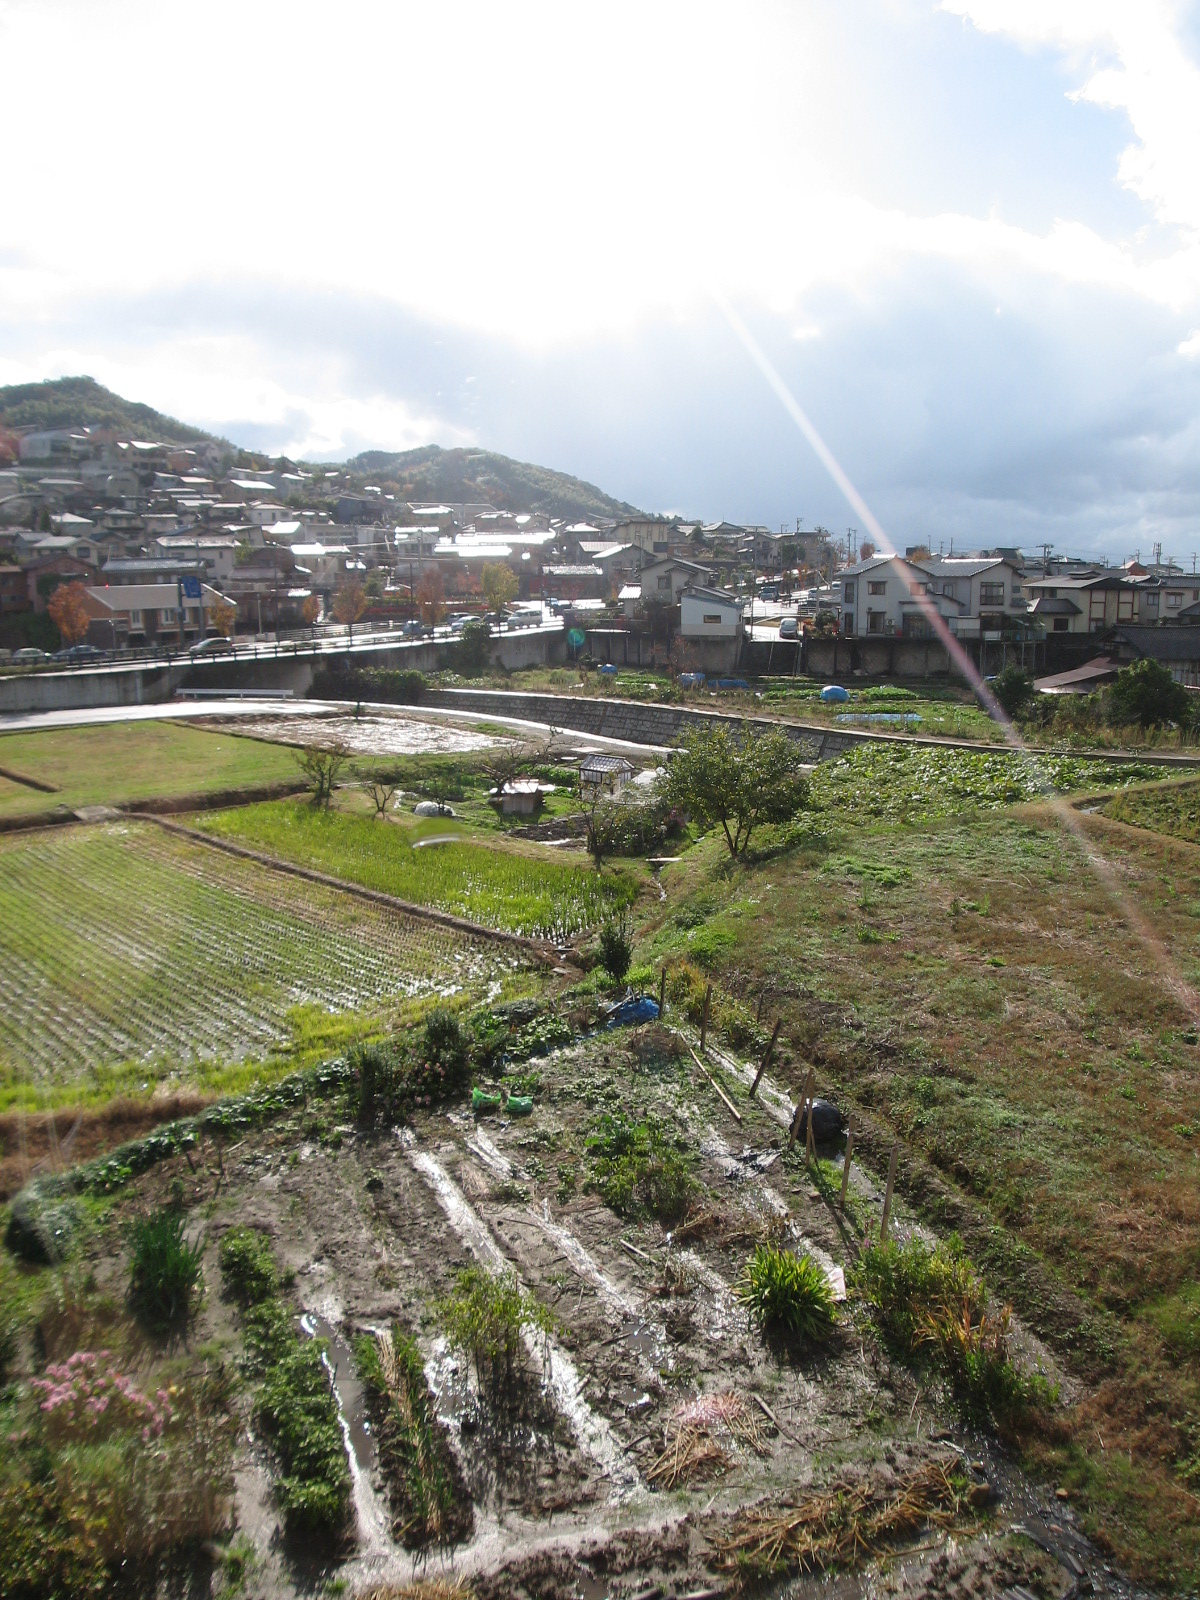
(1190, 346)
(1146, 74)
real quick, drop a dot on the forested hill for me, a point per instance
(431, 474)
(82, 402)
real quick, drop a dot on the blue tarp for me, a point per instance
(630, 1012)
(732, 683)
(608, 671)
(835, 693)
(692, 680)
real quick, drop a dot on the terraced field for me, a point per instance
(128, 955)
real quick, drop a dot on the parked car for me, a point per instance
(218, 645)
(416, 630)
(459, 621)
(78, 652)
(26, 657)
(789, 628)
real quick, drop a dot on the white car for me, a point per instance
(218, 645)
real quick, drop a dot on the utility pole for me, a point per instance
(1046, 549)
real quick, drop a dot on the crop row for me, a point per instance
(892, 783)
(122, 944)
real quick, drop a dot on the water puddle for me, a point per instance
(562, 1380)
(374, 1525)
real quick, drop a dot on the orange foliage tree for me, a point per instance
(349, 603)
(431, 596)
(68, 611)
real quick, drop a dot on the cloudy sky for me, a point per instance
(966, 234)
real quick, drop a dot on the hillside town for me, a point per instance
(174, 547)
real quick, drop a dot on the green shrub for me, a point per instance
(787, 1294)
(486, 1317)
(447, 1047)
(637, 1171)
(934, 1300)
(248, 1267)
(616, 948)
(165, 1270)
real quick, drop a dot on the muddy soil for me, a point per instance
(564, 1476)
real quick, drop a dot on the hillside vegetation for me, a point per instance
(82, 402)
(434, 474)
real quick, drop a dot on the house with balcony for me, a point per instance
(984, 593)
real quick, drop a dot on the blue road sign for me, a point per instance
(191, 588)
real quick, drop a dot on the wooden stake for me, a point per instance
(704, 1015)
(846, 1160)
(662, 993)
(766, 1056)
(810, 1138)
(887, 1198)
(737, 1115)
(801, 1109)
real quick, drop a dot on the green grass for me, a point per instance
(121, 763)
(526, 893)
(130, 957)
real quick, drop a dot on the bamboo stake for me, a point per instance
(810, 1138)
(846, 1160)
(766, 1056)
(887, 1198)
(704, 1016)
(662, 993)
(737, 1115)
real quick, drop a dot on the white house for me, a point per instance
(877, 595)
(709, 614)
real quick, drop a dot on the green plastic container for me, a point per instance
(519, 1105)
(482, 1101)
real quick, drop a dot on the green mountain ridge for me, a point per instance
(428, 473)
(82, 402)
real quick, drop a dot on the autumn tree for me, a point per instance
(499, 584)
(431, 596)
(68, 611)
(349, 603)
(222, 617)
(310, 611)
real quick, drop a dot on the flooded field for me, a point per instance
(372, 734)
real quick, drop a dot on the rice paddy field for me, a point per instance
(521, 889)
(131, 958)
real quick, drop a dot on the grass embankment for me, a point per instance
(523, 890)
(972, 983)
(120, 763)
(130, 959)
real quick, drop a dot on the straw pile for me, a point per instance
(701, 1436)
(842, 1525)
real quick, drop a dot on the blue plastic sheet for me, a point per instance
(835, 693)
(631, 1012)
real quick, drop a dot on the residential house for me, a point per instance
(147, 613)
(663, 581)
(14, 591)
(1176, 648)
(1091, 603)
(985, 592)
(880, 595)
(709, 614)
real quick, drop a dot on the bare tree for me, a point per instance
(320, 767)
(381, 785)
